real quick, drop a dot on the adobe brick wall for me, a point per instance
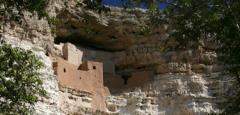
(69, 76)
(86, 76)
(90, 79)
(100, 56)
(116, 83)
(72, 54)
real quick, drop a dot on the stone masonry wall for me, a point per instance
(85, 77)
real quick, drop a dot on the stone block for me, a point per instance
(88, 77)
(199, 68)
(72, 54)
(161, 69)
(177, 67)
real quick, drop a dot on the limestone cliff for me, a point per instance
(144, 74)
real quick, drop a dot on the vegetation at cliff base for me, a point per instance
(20, 84)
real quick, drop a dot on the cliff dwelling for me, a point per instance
(82, 76)
(120, 62)
(91, 78)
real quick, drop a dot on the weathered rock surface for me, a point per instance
(91, 29)
(50, 104)
(184, 81)
(172, 94)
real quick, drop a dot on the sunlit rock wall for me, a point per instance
(185, 81)
(49, 104)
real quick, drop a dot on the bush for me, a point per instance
(20, 84)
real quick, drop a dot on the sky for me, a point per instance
(112, 2)
(119, 2)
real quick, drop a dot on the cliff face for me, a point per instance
(143, 73)
(50, 104)
(185, 81)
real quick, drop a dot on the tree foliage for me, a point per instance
(20, 84)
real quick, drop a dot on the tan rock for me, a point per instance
(72, 54)
(199, 68)
(161, 69)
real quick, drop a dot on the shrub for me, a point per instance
(20, 84)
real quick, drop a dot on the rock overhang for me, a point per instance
(113, 31)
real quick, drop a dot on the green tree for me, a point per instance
(20, 84)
